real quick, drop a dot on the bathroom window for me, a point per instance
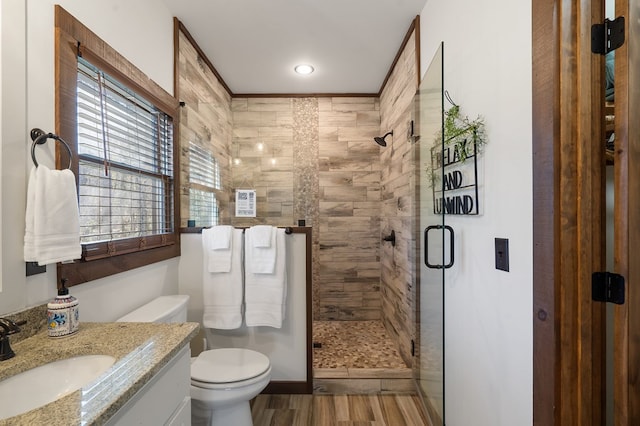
(125, 156)
(204, 182)
(120, 126)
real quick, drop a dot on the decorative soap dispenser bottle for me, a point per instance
(62, 313)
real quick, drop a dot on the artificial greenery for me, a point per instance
(460, 131)
(460, 134)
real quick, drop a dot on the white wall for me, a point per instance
(2, 37)
(13, 64)
(488, 319)
(143, 32)
(286, 346)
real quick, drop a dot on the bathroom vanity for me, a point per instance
(148, 383)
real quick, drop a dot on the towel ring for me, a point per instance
(39, 137)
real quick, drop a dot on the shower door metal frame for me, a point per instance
(429, 228)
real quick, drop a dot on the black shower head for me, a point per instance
(381, 140)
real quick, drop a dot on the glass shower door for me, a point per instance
(434, 253)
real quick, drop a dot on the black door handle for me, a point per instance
(426, 247)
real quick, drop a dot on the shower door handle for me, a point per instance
(426, 246)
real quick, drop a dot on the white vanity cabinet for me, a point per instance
(163, 400)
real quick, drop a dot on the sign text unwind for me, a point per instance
(455, 189)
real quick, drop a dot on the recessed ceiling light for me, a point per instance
(303, 69)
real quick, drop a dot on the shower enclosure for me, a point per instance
(433, 241)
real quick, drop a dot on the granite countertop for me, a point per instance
(141, 348)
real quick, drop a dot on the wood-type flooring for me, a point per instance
(338, 410)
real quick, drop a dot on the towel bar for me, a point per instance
(39, 137)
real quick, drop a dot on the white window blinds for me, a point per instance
(125, 152)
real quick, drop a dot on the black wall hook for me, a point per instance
(391, 238)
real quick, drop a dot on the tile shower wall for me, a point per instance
(315, 159)
(205, 119)
(262, 151)
(312, 159)
(397, 263)
(348, 286)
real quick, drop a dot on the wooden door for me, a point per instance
(627, 218)
(568, 229)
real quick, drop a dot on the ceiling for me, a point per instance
(255, 44)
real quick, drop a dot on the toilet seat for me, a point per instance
(225, 366)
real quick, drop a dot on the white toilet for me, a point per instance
(223, 381)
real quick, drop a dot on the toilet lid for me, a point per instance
(228, 365)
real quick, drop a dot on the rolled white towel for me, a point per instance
(261, 235)
(220, 237)
(263, 259)
(219, 259)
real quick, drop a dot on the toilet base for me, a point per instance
(238, 414)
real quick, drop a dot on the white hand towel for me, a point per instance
(222, 292)
(263, 259)
(219, 259)
(221, 237)
(261, 235)
(52, 231)
(265, 294)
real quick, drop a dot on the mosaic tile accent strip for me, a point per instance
(306, 185)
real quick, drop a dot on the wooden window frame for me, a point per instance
(71, 39)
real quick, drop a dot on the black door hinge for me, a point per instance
(607, 36)
(413, 347)
(607, 287)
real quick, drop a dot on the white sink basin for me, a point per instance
(42, 385)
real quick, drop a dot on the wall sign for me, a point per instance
(245, 203)
(454, 163)
(456, 167)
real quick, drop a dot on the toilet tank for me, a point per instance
(162, 309)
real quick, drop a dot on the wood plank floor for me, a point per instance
(338, 410)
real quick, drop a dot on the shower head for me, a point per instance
(381, 140)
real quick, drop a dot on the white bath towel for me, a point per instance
(222, 291)
(263, 259)
(266, 294)
(52, 231)
(218, 243)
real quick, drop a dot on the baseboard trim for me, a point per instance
(282, 387)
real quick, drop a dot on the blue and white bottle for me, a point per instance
(63, 317)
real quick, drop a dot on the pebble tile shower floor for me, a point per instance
(354, 344)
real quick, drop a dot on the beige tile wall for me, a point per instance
(262, 151)
(349, 173)
(319, 163)
(397, 264)
(205, 119)
(326, 172)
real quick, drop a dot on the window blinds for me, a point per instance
(125, 173)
